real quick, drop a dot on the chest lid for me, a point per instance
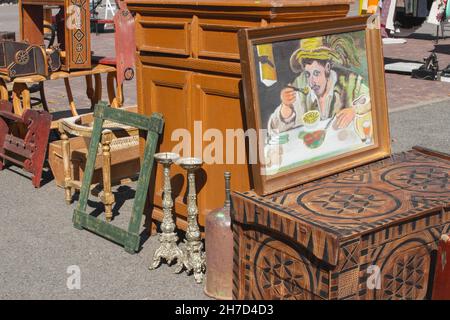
(320, 215)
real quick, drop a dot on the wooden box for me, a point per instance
(124, 163)
(188, 69)
(332, 238)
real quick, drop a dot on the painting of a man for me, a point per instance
(324, 83)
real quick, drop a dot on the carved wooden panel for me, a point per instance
(77, 37)
(388, 215)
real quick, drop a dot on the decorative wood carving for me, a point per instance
(324, 239)
(22, 59)
(24, 139)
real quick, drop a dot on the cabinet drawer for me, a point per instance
(171, 37)
(219, 41)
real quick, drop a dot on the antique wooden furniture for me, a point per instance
(125, 44)
(25, 149)
(18, 59)
(118, 158)
(125, 47)
(21, 87)
(7, 35)
(73, 29)
(81, 219)
(331, 238)
(188, 69)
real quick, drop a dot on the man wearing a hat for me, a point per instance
(325, 84)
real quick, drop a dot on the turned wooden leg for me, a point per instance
(66, 163)
(72, 105)
(42, 94)
(21, 102)
(107, 197)
(111, 86)
(97, 88)
(26, 98)
(119, 95)
(90, 90)
(3, 90)
(18, 89)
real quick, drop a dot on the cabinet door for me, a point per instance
(217, 105)
(166, 91)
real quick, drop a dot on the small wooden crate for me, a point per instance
(124, 163)
(329, 238)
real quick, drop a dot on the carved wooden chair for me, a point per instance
(119, 145)
(24, 139)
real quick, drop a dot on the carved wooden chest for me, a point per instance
(368, 233)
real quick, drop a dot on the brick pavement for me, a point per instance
(404, 91)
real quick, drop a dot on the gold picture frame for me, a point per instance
(337, 121)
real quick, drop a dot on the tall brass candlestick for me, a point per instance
(194, 256)
(168, 248)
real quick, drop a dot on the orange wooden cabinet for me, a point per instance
(188, 69)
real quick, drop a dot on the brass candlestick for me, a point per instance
(168, 248)
(194, 256)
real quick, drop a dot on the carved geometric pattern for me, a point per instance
(404, 275)
(427, 202)
(22, 57)
(79, 59)
(348, 202)
(419, 178)
(362, 178)
(79, 35)
(79, 47)
(348, 283)
(277, 275)
(351, 253)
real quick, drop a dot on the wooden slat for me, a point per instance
(92, 154)
(154, 123)
(107, 230)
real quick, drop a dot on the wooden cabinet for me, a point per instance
(188, 69)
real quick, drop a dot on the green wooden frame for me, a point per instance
(153, 125)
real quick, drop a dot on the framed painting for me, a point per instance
(315, 94)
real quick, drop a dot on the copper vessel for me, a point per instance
(219, 249)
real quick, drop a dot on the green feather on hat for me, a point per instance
(339, 49)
